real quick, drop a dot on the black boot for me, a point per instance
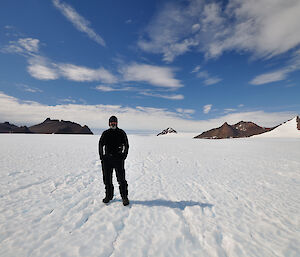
(109, 193)
(107, 199)
(125, 201)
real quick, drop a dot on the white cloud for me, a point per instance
(27, 46)
(67, 100)
(154, 75)
(207, 78)
(281, 74)
(207, 108)
(29, 88)
(229, 110)
(185, 111)
(78, 21)
(105, 88)
(82, 74)
(264, 28)
(30, 44)
(40, 68)
(170, 97)
(196, 69)
(9, 27)
(269, 77)
(212, 81)
(138, 118)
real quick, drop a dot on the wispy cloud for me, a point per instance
(213, 28)
(40, 68)
(26, 46)
(207, 108)
(170, 97)
(136, 118)
(30, 89)
(82, 74)
(270, 77)
(105, 88)
(196, 69)
(207, 78)
(67, 101)
(228, 110)
(154, 75)
(78, 21)
(185, 111)
(280, 74)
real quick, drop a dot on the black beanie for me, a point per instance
(113, 119)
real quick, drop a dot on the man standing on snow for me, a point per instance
(115, 144)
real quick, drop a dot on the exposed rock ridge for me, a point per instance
(47, 127)
(240, 129)
(59, 127)
(167, 131)
(7, 127)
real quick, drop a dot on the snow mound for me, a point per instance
(287, 129)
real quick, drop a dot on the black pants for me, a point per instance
(107, 168)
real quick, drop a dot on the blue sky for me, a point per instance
(190, 64)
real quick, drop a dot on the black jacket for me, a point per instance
(115, 144)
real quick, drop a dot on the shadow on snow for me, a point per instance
(171, 204)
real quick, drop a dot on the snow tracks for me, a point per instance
(188, 198)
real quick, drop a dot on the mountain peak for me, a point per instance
(240, 129)
(169, 130)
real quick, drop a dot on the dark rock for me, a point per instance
(6, 127)
(167, 131)
(240, 129)
(298, 123)
(22, 129)
(60, 127)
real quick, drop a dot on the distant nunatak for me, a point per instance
(47, 127)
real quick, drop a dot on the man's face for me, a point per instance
(113, 124)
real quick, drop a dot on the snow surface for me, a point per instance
(287, 129)
(189, 197)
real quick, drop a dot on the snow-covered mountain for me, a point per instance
(290, 128)
(167, 131)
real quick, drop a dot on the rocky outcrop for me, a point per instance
(6, 127)
(240, 129)
(167, 131)
(298, 123)
(47, 127)
(248, 129)
(59, 127)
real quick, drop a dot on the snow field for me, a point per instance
(189, 197)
